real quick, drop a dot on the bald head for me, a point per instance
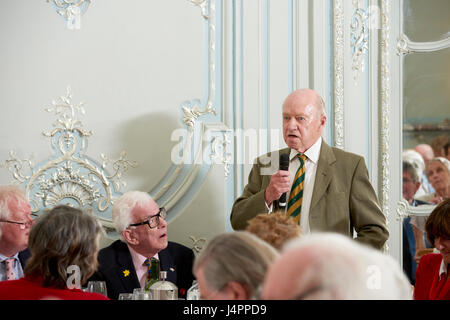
(425, 151)
(306, 96)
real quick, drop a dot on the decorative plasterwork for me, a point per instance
(404, 210)
(406, 46)
(203, 4)
(220, 153)
(338, 50)
(198, 244)
(192, 111)
(71, 11)
(385, 108)
(69, 176)
(359, 38)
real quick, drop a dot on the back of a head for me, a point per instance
(426, 151)
(438, 222)
(339, 268)
(59, 238)
(235, 256)
(276, 228)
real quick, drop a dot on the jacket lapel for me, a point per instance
(125, 269)
(166, 264)
(323, 173)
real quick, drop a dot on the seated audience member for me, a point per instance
(447, 150)
(15, 224)
(275, 228)
(143, 229)
(411, 183)
(60, 238)
(438, 173)
(416, 159)
(438, 144)
(232, 266)
(330, 266)
(432, 275)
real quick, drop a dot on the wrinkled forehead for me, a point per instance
(18, 205)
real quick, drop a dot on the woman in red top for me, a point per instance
(64, 244)
(432, 275)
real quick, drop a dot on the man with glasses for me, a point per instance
(143, 229)
(15, 225)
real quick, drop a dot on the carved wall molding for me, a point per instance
(198, 244)
(359, 38)
(192, 112)
(338, 94)
(405, 210)
(69, 176)
(406, 46)
(203, 5)
(385, 97)
(71, 11)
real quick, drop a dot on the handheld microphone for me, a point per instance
(284, 165)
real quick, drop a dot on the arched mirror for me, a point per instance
(424, 48)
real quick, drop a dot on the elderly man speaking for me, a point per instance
(142, 225)
(327, 188)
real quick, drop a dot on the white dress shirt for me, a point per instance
(17, 267)
(312, 159)
(141, 269)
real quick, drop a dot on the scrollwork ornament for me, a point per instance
(338, 26)
(359, 38)
(203, 5)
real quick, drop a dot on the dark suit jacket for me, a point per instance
(23, 257)
(113, 260)
(343, 199)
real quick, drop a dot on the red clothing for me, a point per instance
(429, 284)
(28, 288)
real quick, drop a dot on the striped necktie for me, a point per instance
(296, 195)
(9, 267)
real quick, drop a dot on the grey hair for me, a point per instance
(363, 272)
(235, 256)
(409, 167)
(61, 237)
(7, 193)
(121, 211)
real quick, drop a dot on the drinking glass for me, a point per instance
(141, 294)
(126, 296)
(97, 286)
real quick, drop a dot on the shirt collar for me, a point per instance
(312, 153)
(139, 259)
(3, 258)
(443, 268)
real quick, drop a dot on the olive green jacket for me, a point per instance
(343, 198)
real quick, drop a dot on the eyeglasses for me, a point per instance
(152, 221)
(22, 225)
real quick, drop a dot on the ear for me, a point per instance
(237, 291)
(323, 120)
(130, 237)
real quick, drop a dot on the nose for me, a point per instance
(438, 244)
(162, 223)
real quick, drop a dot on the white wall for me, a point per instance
(136, 63)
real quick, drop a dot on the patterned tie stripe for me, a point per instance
(9, 263)
(148, 263)
(296, 195)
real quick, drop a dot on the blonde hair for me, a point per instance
(275, 228)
